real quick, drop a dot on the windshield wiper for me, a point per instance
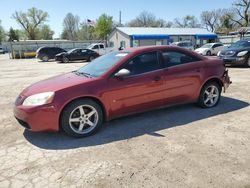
(83, 73)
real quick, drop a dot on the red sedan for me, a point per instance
(118, 84)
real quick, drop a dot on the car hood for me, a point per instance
(201, 49)
(55, 84)
(235, 49)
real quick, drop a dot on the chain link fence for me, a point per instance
(27, 49)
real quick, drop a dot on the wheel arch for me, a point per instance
(98, 101)
(213, 79)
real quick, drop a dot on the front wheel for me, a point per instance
(247, 63)
(82, 118)
(65, 60)
(209, 95)
(208, 53)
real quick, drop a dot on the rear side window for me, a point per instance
(173, 58)
(143, 63)
(101, 46)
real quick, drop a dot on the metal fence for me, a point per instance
(27, 49)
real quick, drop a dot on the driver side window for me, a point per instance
(143, 63)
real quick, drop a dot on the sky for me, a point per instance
(92, 9)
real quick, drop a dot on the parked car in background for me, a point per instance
(210, 49)
(47, 53)
(76, 54)
(2, 51)
(237, 54)
(118, 84)
(100, 48)
(184, 44)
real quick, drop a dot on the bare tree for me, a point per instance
(71, 26)
(211, 19)
(31, 20)
(1, 33)
(241, 13)
(187, 22)
(146, 19)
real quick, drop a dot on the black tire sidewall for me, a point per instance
(246, 63)
(45, 58)
(65, 60)
(201, 97)
(209, 53)
(64, 120)
(91, 58)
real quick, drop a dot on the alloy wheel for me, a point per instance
(83, 119)
(211, 96)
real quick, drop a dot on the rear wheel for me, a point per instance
(65, 60)
(82, 118)
(45, 58)
(208, 53)
(210, 95)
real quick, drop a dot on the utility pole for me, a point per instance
(120, 18)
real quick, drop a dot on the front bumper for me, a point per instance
(39, 118)
(232, 60)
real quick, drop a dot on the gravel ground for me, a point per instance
(182, 146)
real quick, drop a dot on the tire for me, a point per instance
(247, 63)
(91, 58)
(82, 118)
(208, 53)
(45, 58)
(209, 98)
(65, 60)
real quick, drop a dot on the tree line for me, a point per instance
(34, 23)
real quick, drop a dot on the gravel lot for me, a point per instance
(182, 146)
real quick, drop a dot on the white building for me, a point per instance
(145, 36)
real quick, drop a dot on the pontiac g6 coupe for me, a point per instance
(119, 84)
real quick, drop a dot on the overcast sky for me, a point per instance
(92, 9)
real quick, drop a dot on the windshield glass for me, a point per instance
(207, 46)
(70, 51)
(184, 44)
(102, 64)
(240, 44)
(91, 46)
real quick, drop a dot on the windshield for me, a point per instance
(91, 46)
(240, 44)
(207, 46)
(184, 44)
(102, 64)
(70, 51)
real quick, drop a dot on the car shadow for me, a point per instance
(136, 125)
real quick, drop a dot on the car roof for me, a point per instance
(137, 50)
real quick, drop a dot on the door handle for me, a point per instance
(157, 78)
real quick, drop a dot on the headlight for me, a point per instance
(218, 54)
(39, 99)
(240, 54)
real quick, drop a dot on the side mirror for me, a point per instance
(122, 73)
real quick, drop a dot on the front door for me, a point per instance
(141, 90)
